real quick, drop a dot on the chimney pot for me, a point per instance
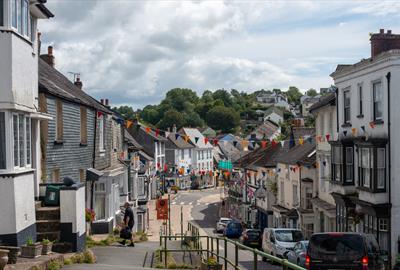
(78, 82)
(102, 101)
(50, 50)
(106, 101)
(382, 31)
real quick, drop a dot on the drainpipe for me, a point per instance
(337, 110)
(388, 76)
(94, 158)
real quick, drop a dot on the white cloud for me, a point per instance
(134, 51)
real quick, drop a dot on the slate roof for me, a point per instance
(193, 133)
(229, 150)
(327, 100)
(299, 154)
(273, 109)
(266, 129)
(261, 157)
(178, 143)
(130, 140)
(53, 82)
(151, 133)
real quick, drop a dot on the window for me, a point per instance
(101, 132)
(59, 121)
(100, 201)
(295, 197)
(378, 100)
(360, 100)
(381, 168)
(15, 137)
(83, 125)
(346, 103)
(383, 224)
(182, 153)
(308, 198)
(349, 164)
(365, 169)
(56, 175)
(28, 140)
(14, 13)
(3, 152)
(1, 12)
(82, 175)
(24, 17)
(372, 168)
(202, 154)
(21, 140)
(336, 162)
(140, 223)
(32, 29)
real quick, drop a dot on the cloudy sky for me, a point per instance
(132, 52)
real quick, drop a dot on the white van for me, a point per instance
(278, 241)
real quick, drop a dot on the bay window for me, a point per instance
(21, 140)
(342, 164)
(372, 167)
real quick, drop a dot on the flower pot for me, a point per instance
(3, 258)
(46, 249)
(33, 251)
(13, 253)
(205, 266)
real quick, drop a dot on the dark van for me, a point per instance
(343, 251)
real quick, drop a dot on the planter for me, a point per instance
(3, 258)
(205, 266)
(47, 248)
(12, 254)
(33, 251)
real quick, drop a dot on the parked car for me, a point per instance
(298, 254)
(233, 229)
(221, 224)
(344, 251)
(278, 241)
(251, 238)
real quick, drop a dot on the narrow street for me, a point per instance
(205, 207)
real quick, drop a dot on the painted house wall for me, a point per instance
(69, 157)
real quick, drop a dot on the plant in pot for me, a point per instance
(31, 249)
(90, 216)
(211, 264)
(47, 246)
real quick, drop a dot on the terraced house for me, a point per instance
(365, 173)
(20, 119)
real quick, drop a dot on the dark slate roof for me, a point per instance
(152, 133)
(327, 100)
(299, 154)
(179, 143)
(261, 157)
(266, 129)
(131, 140)
(53, 82)
(275, 110)
(229, 150)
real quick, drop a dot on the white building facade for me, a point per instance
(19, 119)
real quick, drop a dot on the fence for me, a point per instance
(213, 248)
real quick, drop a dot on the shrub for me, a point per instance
(89, 257)
(46, 241)
(67, 262)
(54, 265)
(29, 241)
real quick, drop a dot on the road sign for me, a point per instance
(162, 209)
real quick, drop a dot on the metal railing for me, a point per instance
(213, 249)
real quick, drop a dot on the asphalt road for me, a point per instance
(205, 214)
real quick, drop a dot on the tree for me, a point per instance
(171, 118)
(311, 92)
(192, 119)
(178, 96)
(126, 111)
(294, 95)
(223, 95)
(150, 114)
(224, 119)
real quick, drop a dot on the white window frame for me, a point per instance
(6, 150)
(101, 133)
(100, 193)
(374, 83)
(346, 91)
(18, 166)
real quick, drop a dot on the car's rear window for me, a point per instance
(289, 235)
(253, 234)
(340, 246)
(234, 225)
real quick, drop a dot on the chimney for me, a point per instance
(174, 128)
(383, 42)
(49, 57)
(102, 101)
(106, 102)
(78, 82)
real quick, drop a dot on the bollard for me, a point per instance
(255, 263)
(236, 255)
(226, 253)
(218, 250)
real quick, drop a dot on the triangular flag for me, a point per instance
(205, 140)
(345, 132)
(363, 128)
(283, 143)
(263, 173)
(186, 137)
(372, 124)
(273, 143)
(99, 114)
(176, 136)
(354, 131)
(263, 144)
(324, 163)
(148, 130)
(157, 132)
(244, 143)
(317, 165)
(129, 123)
(301, 140)
(327, 136)
(196, 139)
(254, 144)
(309, 139)
(215, 141)
(235, 143)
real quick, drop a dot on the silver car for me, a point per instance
(221, 224)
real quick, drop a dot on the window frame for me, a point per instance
(101, 133)
(3, 143)
(373, 160)
(374, 102)
(360, 93)
(346, 116)
(344, 165)
(17, 154)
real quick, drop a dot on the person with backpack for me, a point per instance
(126, 232)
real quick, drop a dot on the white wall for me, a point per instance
(72, 209)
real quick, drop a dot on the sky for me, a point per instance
(133, 52)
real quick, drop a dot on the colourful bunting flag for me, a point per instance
(301, 141)
(254, 144)
(273, 143)
(309, 139)
(99, 114)
(176, 136)
(354, 131)
(372, 124)
(327, 136)
(363, 128)
(196, 139)
(205, 140)
(244, 143)
(283, 143)
(215, 141)
(345, 132)
(157, 132)
(186, 138)
(264, 144)
(129, 123)
(235, 143)
(148, 130)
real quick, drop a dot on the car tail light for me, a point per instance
(245, 236)
(308, 260)
(364, 262)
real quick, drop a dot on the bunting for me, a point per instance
(205, 140)
(273, 143)
(157, 132)
(327, 136)
(254, 143)
(235, 143)
(345, 133)
(148, 130)
(263, 173)
(372, 124)
(99, 114)
(196, 139)
(301, 141)
(283, 144)
(176, 136)
(129, 123)
(186, 138)
(215, 141)
(354, 132)
(244, 143)
(264, 144)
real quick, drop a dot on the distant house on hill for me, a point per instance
(274, 99)
(208, 132)
(273, 114)
(267, 130)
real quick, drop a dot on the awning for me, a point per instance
(41, 116)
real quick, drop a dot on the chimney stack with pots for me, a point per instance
(49, 57)
(78, 82)
(102, 101)
(382, 42)
(106, 102)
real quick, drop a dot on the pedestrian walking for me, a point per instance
(127, 230)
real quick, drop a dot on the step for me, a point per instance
(48, 213)
(48, 225)
(38, 204)
(52, 236)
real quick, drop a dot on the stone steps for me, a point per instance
(48, 225)
(48, 213)
(47, 222)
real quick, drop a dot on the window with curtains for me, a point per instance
(3, 153)
(372, 167)
(377, 100)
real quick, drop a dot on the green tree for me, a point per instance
(177, 97)
(224, 119)
(192, 119)
(294, 95)
(126, 111)
(207, 97)
(170, 118)
(223, 95)
(311, 92)
(150, 114)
